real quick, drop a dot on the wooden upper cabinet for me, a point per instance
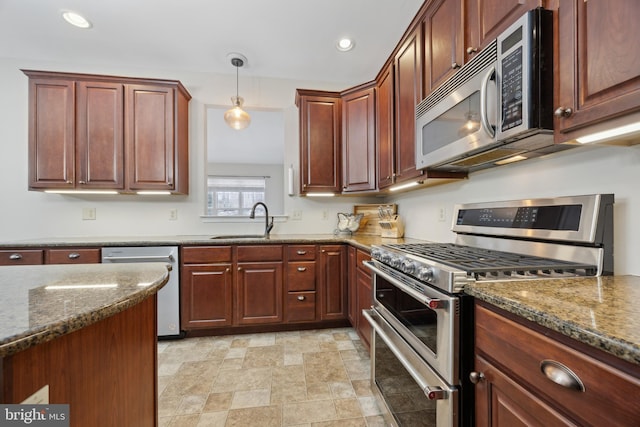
(100, 132)
(319, 141)
(408, 93)
(100, 135)
(443, 42)
(598, 64)
(150, 142)
(51, 133)
(486, 19)
(384, 129)
(359, 140)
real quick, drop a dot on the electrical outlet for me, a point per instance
(296, 215)
(442, 214)
(173, 214)
(88, 213)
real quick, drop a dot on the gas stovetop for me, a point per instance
(513, 240)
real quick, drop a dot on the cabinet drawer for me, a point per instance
(301, 252)
(522, 351)
(360, 257)
(205, 254)
(260, 253)
(73, 256)
(301, 276)
(301, 307)
(22, 257)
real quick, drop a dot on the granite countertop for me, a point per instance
(42, 302)
(362, 241)
(602, 312)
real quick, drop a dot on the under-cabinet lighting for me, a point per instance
(609, 134)
(152, 193)
(405, 186)
(511, 159)
(320, 194)
(81, 191)
(76, 19)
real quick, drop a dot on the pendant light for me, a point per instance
(236, 117)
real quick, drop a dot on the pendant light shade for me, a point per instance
(236, 117)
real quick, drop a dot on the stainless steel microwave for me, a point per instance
(498, 106)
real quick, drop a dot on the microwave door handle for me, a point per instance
(488, 127)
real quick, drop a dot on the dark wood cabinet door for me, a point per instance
(385, 130)
(365, 300)
(598, 63)
(408, 93)
(352, 304)
(501, 402)
(206, 293)
(443, 42)
(359, 140)
(100, 135)
(333, 286)
(259, 293)
(149, 136)
(320, 153)
(486, 19)
(51, 133)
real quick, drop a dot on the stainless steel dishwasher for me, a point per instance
(169, 295)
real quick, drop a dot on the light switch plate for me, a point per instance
(40, 397)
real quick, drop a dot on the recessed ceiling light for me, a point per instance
(345, 44)
(76, 19)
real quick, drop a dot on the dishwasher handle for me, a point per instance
(140, 258)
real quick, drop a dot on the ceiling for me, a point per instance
(292, 39)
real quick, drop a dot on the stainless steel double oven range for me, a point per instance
(422, 340)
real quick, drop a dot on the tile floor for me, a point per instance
(317, 378)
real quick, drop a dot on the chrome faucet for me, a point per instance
(267, 225)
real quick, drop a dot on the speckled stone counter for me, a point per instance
(602, 312)
(362, 241)
(42, 302)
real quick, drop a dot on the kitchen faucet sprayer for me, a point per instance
(267, 225)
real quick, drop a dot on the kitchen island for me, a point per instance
(83, 335)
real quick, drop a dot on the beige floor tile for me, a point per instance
(308, 412)
(316, 378)
(251, 398)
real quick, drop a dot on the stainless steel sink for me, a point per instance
(239, 236)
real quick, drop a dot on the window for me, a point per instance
(234, 195)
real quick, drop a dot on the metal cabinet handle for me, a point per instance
(563, 112)
(239, 268)
(15, 257)
(74, 255)
(69, 181)
(471, 50)
(455, 65)
(301, 298)
(301, 252)
(82, 182)
(301, 269)
(476, 377)
(561, 375)
(227, 270)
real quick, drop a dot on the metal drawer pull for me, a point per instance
(15, 257)
(301, 252)
(74, 255)
(301, 298)
(476, 377)
(561, 375)
(301, 269)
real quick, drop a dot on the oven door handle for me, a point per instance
(432, 392)
(432, 303)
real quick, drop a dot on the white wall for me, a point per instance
(27, 214)
(583, 170)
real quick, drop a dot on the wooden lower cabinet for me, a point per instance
(333, 282)
(360, 293)
(258, 293)
(24, 256)
(206, 287)
(513, 390)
